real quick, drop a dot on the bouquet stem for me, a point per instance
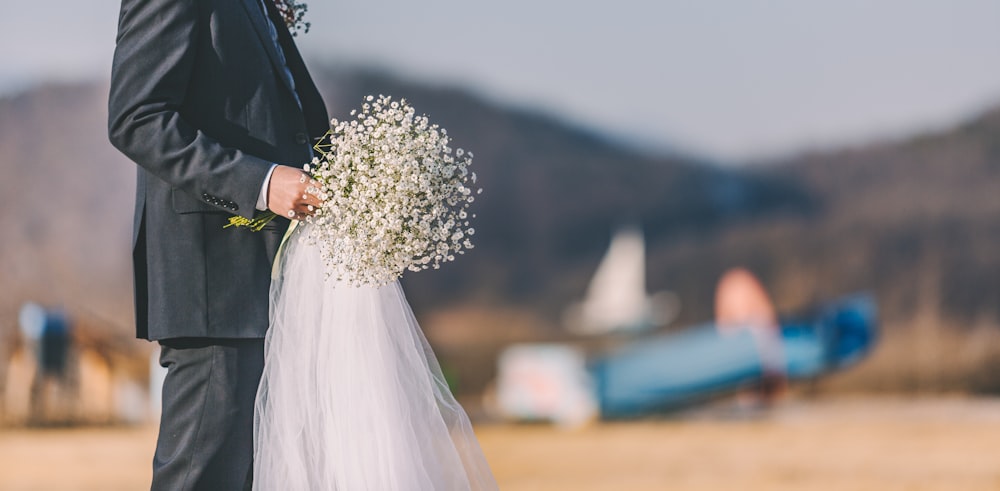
(255, 224)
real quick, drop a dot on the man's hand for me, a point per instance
(292, 193)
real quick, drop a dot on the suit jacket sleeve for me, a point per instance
(152, 67)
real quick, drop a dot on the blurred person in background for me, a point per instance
(52, 351)
(742, 303)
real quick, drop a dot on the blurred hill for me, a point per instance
(918, 220)
(65, 201)
(554, 193)
(914, 221)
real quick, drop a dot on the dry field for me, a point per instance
(845, 444)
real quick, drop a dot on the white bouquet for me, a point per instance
(395, 195)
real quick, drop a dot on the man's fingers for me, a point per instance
(312, 200)
(295, 192)
(310, 195)
(306, 199)
(305, 209)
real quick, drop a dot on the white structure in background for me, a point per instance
(545, 382)
(616, 300)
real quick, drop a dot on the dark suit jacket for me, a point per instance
(198, 102)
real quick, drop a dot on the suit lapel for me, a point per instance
(253, 9)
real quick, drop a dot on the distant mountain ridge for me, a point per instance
(813, 226)
(554, 193)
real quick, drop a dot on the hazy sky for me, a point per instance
(730, 79)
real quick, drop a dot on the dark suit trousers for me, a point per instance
(206, 428)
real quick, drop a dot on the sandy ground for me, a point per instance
(864, 444)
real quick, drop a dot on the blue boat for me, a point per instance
(663, 373)
(681, 369)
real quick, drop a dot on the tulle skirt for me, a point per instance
(352, 397)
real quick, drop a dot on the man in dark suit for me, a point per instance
(213, 102)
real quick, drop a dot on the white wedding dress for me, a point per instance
(352, 397)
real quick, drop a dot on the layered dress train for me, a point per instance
(352, 397)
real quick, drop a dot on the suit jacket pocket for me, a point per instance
(185, 203)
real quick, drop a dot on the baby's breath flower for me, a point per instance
(292, 13)
(396, 194)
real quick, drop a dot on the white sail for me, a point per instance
(616, 298)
